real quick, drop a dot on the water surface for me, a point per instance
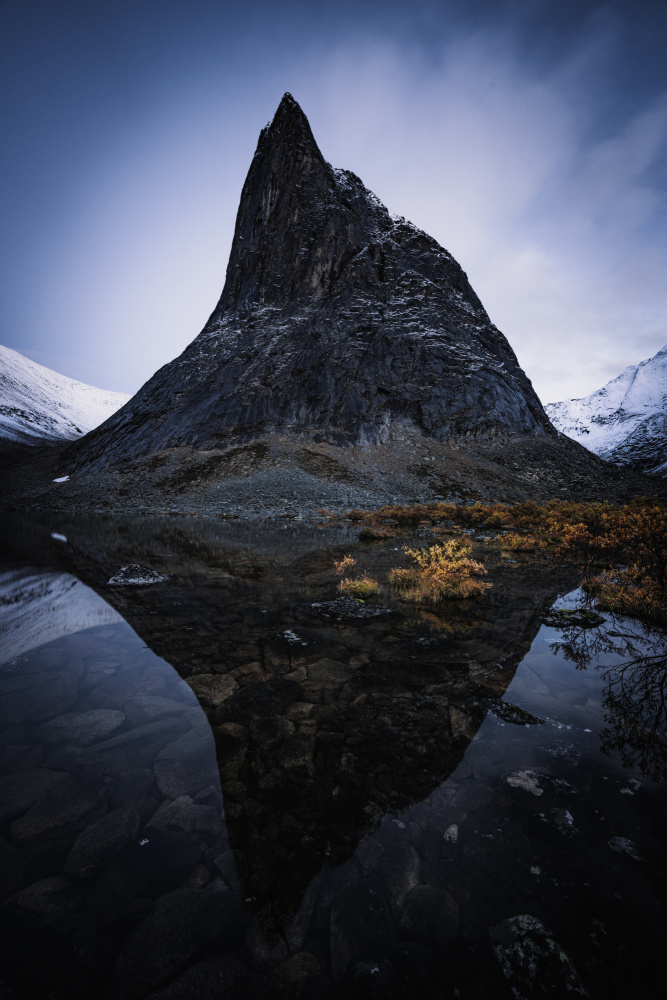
(230, 782)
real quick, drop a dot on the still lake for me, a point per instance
(218, 778)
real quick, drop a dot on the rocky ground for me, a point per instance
(276, 475)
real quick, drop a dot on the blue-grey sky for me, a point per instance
(529, 137)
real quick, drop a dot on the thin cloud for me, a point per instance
(557, 228)
(552, 203)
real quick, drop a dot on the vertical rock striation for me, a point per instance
(337, 321)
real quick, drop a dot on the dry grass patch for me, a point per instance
(361, 588)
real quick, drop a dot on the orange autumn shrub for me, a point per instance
(361, 587)
(441, 572)
(519, 543)
(347, 562)
(621, 549)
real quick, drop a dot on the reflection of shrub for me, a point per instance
(442, 571)
(362, 588)
(629, 592)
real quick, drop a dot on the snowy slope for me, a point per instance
(37, 404)
(626, 420)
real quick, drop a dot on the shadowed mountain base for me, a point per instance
(280, 475)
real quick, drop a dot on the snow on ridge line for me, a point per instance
(626, 420)
(38, 404)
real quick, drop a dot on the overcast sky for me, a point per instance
(529, 137)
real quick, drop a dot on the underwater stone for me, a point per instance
(533, 963)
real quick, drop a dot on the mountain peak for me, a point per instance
(625, 421)
(40, 405)
(336, 321)
(287, 183)
(290, 118)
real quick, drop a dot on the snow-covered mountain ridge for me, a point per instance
(38, 405)
(626, 420)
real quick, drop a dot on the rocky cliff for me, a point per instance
(337, 322)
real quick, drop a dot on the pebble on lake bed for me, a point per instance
(564, 820)
(526, 780)
(624, 846)
(533, 963)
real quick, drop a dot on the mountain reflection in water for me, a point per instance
(357, 802)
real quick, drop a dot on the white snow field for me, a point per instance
(38, 404)
(626, 420)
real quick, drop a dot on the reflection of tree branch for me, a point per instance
(584, 647)
(635, 706)
(635, 699)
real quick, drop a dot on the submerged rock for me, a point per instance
(569, 618)
(430, 914)
(361, 925)
(508, 712)
(82, 728)
(622, 845)
(134, 575)
(534, 964)
(101, 841)
(527, 780)
(181, 923)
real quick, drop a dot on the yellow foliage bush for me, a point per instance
(441, 572)
(594, 536)
(519, 543)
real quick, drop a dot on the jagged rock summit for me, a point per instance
(337, 322)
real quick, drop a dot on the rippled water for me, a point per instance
(231, 783)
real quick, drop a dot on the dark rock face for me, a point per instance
(337, 321)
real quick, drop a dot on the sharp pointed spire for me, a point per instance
(290, 110)
(289, 129)
(287, 181)
(335, 320)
